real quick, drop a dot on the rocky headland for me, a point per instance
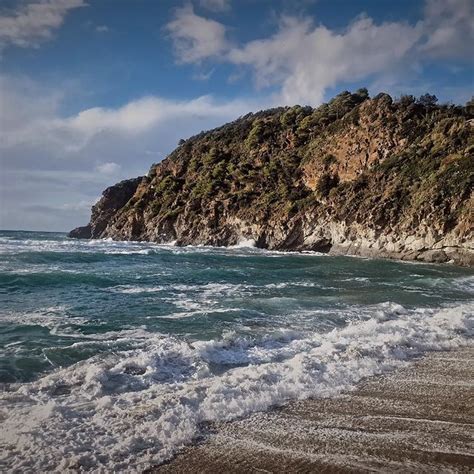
(356, 176)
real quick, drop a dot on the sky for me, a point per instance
(95, 91)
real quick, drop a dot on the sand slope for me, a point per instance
(419, 419)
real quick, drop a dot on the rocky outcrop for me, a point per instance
(357, 176)
(112, 200)
(83, 232)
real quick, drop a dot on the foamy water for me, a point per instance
(114, 355)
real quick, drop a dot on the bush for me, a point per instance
(362, 93)
(211, 157)
(470, 106)
(427, 100)
(294, 115)
(326, 182)
(202, 189)
(406, 100)
(328, 160)
(219, 171)
(166, 186)
(255, 135)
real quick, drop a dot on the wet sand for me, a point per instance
(418, 419)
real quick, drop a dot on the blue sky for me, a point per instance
(95, 91)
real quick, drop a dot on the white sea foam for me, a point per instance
(245, 243)
(52, 317)
(131, 289)
(192, 299)
(245, 248)
(105, 246)
(59, 323)
(200, 310)
(130, 409)
(214, 289)
(465, 284)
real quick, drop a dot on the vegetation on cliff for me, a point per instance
(354, 171)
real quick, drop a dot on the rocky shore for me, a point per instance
(356, 176)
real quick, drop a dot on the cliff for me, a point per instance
(360, 176)
(113, 199)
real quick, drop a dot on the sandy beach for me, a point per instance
(417, 419)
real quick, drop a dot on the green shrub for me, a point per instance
(211, 157)
(325, 183)
(255, 135)
(328, 160)
(219, 171)
(202, 189)
(166, 186)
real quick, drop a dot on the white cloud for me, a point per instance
(305, 60)
(194, 37)
(34, 118)
(102, 29)
(449, 26)
(302, 60)
(83, 205)
(34, 22)
(203, 76)
(109, 168)
(216, 5)
(50, 162)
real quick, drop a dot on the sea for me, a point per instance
(116, 355)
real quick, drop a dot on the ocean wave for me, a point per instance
(130, 409)
(52, 317)
(245, 243)
(199, 310)
(18, 282)
(219, 289)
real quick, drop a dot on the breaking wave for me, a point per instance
(115, 355)
(131, 409)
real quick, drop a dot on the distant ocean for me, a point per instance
(114, 354)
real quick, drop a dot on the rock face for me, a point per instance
(356, 176)
(112, 200)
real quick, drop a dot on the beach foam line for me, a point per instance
(133, 409)
(416, 419)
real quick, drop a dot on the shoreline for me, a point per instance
(418, 418)
(463, 256)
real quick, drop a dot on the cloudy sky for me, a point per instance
(94, 91)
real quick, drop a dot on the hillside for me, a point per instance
(361, 176)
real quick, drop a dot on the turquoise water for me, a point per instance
(89, 329)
